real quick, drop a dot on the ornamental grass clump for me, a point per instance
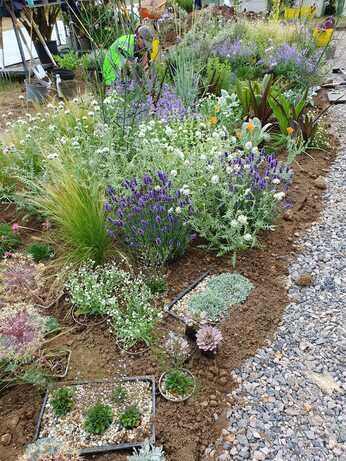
(148, 218)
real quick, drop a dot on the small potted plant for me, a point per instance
(177, 384)
(208, 339)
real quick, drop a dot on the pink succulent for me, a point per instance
(208, 338)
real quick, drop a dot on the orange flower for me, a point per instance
(250, 126)
(290, 130)
(213, 120)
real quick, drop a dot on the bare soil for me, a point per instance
(185, 429)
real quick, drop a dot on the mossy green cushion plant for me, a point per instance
(62, 401)
(130, 418)
(40, 251)
(222, 291)
(98, 419)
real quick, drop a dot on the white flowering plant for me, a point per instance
(252, 134)
(92, 290)
(235, 197)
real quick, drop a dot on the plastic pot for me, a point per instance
(36, 91)
(191, 332)
(65, 74)
(42, 53)
(170, 397)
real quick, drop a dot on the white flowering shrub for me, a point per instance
(235, 196)
(147, 453)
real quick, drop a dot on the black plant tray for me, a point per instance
(168, 307)
(105, 448)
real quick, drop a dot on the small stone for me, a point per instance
(213, 403)
(258, 455)
(12, 421)
(320, 183)
(223, 380)
(305, 280)
(288, 215)
(5, 439)
(204, 404)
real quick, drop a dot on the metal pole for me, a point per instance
(2, 45)
(20, 46)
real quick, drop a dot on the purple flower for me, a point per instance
(232, 50)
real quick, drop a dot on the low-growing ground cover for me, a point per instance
(145, 190)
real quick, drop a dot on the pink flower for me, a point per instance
(15, 227)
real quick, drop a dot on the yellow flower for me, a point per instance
(213, 120)
(250, 126)
(290, 130)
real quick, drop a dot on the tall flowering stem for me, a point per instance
(148, 217)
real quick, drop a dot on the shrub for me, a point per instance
(239, 198)
(119, 394)
(177, 382)
(208, 338)
(148, 218)
(147, 453)
(9, 240)
(40, 251)
(98, 419)
(62, 401)
(130, 418)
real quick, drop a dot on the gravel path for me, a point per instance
(291, 400)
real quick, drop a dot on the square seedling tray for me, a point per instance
(69, 429)
(170, 307)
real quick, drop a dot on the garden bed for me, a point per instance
(69, 429)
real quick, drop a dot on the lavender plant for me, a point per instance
(147, 217)
(208, 338)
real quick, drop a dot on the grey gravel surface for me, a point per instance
(291, 399)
